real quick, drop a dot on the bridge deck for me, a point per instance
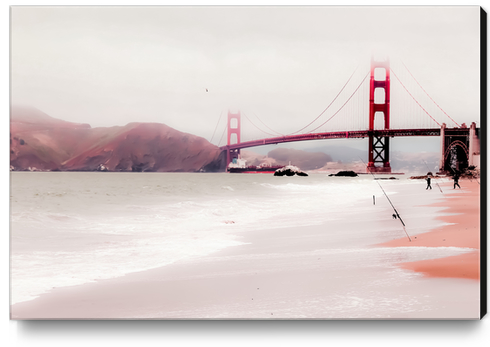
(336, 135)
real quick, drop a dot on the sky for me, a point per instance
(281, 66)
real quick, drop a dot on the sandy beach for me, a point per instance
(463, 208)
(291, 273)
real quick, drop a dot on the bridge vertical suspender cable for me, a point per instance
(221, 114)
(257, 126)
(350, 97)
(260, 120)
(429, 95)
(325, 110)
(414, 97)
(222, 135)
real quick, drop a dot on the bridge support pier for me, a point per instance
(379, 152)
(443, 147)
(474, 150)
(460, 148)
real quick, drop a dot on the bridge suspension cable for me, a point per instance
(325, 110)
(222, 135)
(260, 120)
(265, 132)
(221, 114)
(350, 97)
(414, 97)
(429, 95)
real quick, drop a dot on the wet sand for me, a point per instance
(290, 273)
(464, 231)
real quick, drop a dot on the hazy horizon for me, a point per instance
(109, 66)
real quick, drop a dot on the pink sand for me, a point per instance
(464, 231)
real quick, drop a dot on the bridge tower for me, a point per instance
(233, 127)
(379, 106)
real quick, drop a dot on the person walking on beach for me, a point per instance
(428, 182)
(456, 180)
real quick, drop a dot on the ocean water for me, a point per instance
(70, 228)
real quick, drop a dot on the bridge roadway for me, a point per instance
(335, 135)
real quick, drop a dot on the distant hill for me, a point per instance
(343, 154)
(417, 162)
(41, 142)
(338, 158)
(299, 158)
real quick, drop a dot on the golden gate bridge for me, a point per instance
(378, 106)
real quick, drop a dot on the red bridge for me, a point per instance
(336, 135)
(460, 146)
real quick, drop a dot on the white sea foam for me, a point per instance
(74, 228)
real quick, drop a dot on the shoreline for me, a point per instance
(282, 273)
(462, 213)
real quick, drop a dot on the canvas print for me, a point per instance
(235, 162)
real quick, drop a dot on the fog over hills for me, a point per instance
(400, 161)
(40, 142)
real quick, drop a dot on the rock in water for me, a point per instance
(289, 170)
(346, 174)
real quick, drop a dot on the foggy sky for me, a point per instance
(110, 66)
